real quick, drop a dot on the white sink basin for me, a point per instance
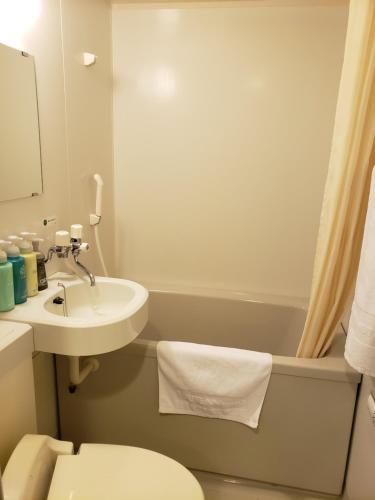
(106, 299)
(97, 319)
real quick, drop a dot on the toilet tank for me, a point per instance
(17, 395)
(30, 468)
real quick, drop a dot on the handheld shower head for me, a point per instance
(99, 188)
(95, 219)
(98, 179)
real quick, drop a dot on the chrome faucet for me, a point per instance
(62, 252)
(85, 270)
(66, 244)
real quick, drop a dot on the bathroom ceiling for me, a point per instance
(263, 2)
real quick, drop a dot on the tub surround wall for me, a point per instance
(223, 115)
(86, 27)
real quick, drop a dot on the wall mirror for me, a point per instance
(20, 159)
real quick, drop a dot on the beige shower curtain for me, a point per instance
(347, 187)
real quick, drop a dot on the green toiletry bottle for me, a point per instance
(6, 284)
(19, 273)
(26, 250)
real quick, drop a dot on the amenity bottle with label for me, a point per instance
(26, 250)
(6, 284)
(19, 273)
(41, 268)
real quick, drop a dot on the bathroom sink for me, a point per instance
(75, 319)
(104, 300)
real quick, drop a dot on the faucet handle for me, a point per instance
(84, 247)
(76, 231)
(62, 239)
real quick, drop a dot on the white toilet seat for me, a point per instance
(42, 467)
(113, 472)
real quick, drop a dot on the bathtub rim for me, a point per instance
(229, 294)
(332, 366)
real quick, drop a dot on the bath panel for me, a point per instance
(305, 425)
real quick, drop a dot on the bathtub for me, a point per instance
(304, 431)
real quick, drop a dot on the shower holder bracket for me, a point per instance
(94, 219)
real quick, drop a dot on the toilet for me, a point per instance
(41, 467)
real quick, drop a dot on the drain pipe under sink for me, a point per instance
(78, 375)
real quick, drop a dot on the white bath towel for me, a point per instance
(360, 343)
(215, 382)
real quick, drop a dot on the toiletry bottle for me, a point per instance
(40, 264)
(40, 258)
(14, 239)
(4, 244)
(26, 250)
(6, 284)
(19, 273)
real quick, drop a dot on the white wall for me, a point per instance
(223, 115)
(75, 108)
(86, 26)
(75, 111)
(35, 26)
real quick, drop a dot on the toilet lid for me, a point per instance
(121, 472)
